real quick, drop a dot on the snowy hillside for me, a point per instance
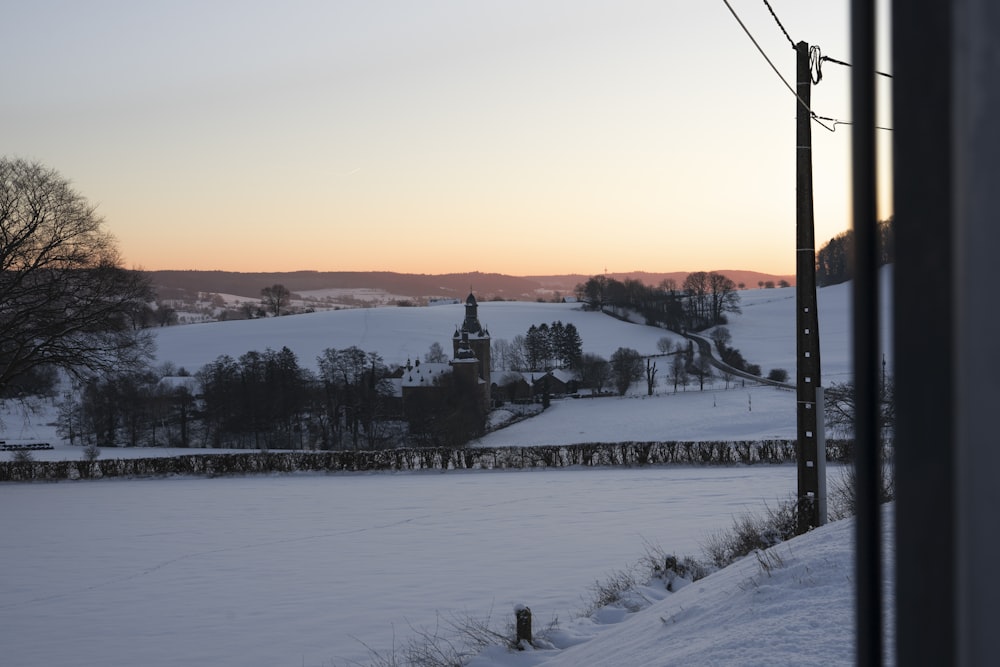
(764, 332)
(791, 605)
(397, 333)
(315, 570)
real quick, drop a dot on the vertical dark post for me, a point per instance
(523, 616)
(924, 166)
(867, 448)
(806, 318)
(975, 94)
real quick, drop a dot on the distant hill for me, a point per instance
(485, 285)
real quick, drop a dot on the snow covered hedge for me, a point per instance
(437, 458)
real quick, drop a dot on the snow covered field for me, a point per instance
(300, 570)
(307, 569)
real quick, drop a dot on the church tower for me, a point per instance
(474, 338)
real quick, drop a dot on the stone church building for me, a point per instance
(472, 349)
(470, 360)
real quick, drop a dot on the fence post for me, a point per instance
(523, 615)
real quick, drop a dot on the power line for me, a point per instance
(805, 106)
(815, 60)
(778, 21)
(841, 62)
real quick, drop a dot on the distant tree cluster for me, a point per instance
(260, 400)
(703, 300)
(543, 347)
(130, 409)
(267, 400)
(356, 396)
(835, 260)
(555, 345)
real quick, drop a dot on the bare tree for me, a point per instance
(668, 285)
(678, 371)
(626, 368)
(595, 371)
(248, 309)
(650, 377)
(664, 345)
(435, 354)
(723, 297)
(839, 416)
(518, 353)
(722, 338)
(275, 298)
(65, 300)
(702, 369)
(165, 316)
(840, 408)
(696, 292)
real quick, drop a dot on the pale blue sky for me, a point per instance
(455, 135)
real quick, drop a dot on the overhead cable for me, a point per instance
(787, 85)
(841, 62)
(778, 21)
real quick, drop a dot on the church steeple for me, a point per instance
(471, 324)
(472, 341)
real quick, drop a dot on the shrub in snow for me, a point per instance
(752, 532)
(23, 456)
(679, 572)
(778, 375)
(612, 590)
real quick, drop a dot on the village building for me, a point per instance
(470, 361)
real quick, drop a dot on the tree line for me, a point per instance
(543, 347)
(835, 260)
(260, 400)
(703, 300)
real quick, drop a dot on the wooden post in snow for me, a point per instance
(523, 616)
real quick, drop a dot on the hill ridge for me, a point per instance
(456, 285)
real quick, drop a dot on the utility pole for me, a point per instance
(811, 458)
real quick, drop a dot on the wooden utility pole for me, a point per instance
(810, 457)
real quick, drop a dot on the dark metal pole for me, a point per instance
(976, 94)
(924, 166)
(865, 336)
(806, 318)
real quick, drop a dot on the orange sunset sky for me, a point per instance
(521, 137)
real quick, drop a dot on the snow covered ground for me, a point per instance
(764, 332)
(304, 570)
(792, 605)
(308, 569)
(397, 333)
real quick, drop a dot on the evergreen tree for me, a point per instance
(571, 346)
